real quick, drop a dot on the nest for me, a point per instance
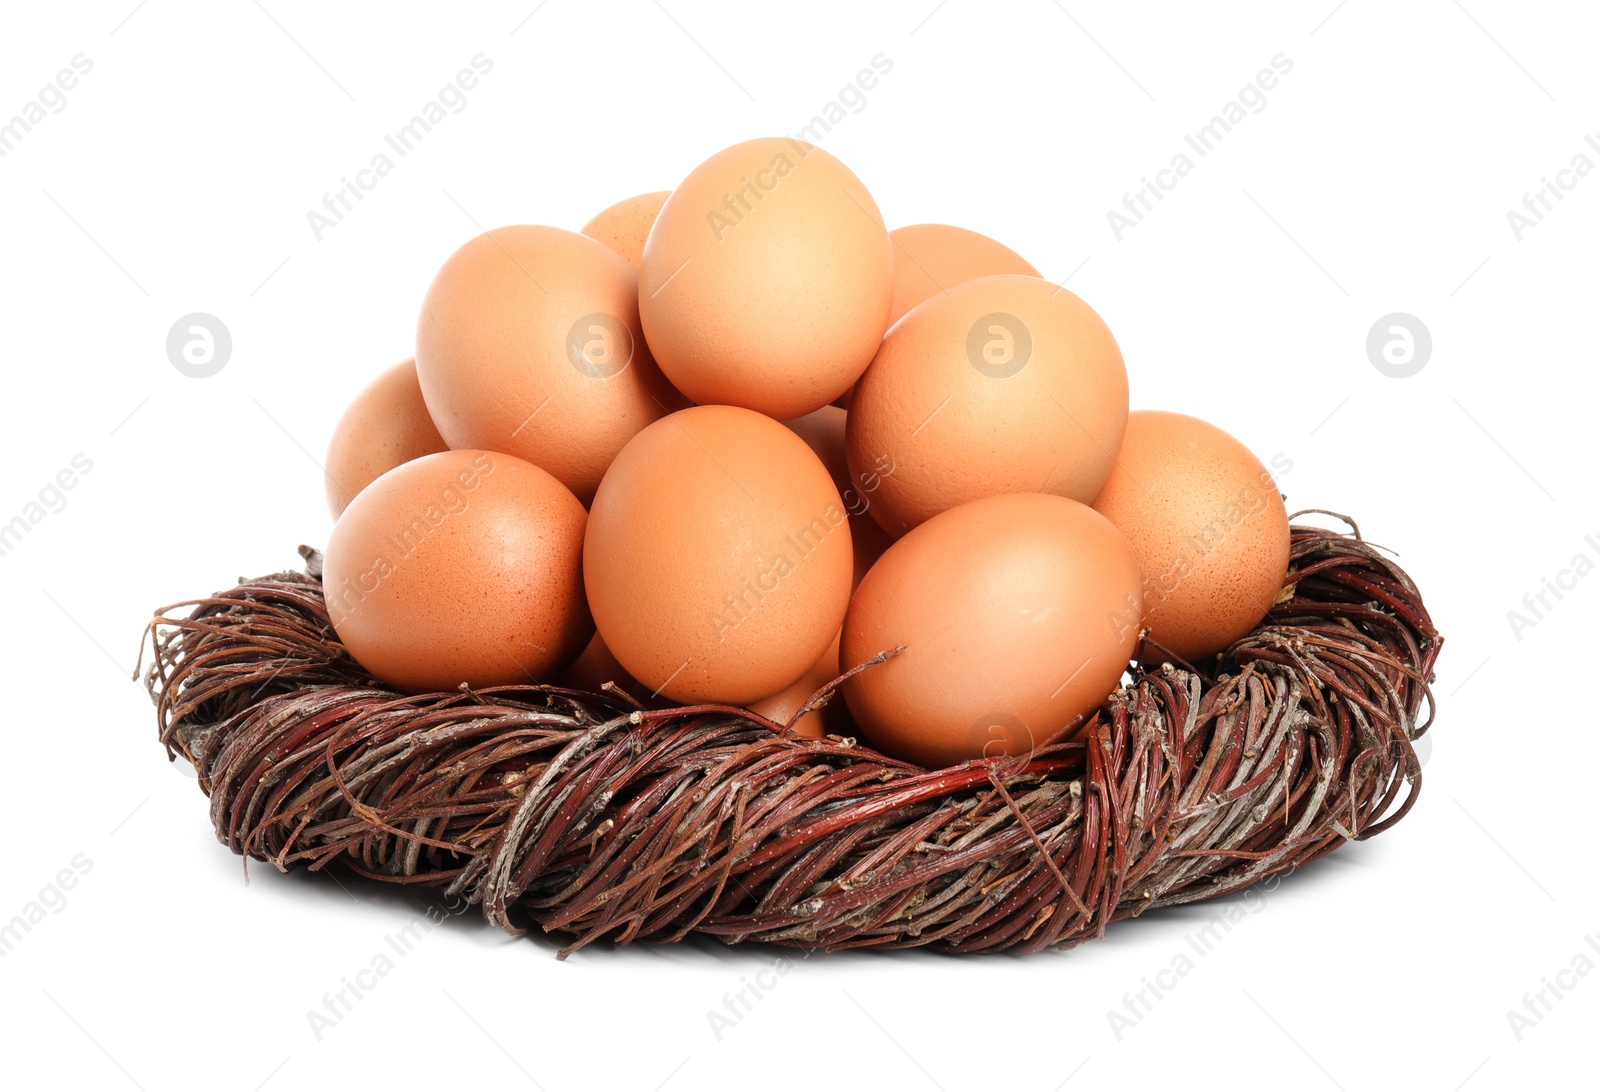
(594, 818)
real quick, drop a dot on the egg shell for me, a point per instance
(1018, 615)
(1208, 525)
(766, 279)
(463, 566)
(832, 719)
(823, 432)
(930, 258)
(596, 666)
(624, 226)
(387, 424)
(1005, 384)
(718, 557)
(529, 343)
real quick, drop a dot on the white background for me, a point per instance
(1377, 179)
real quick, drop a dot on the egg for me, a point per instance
(464, 566)
(596, 666)
(386, 425)
(831, 719)
(529, 343)
(929, 258)
(823, 431)
(624, 226)
(766, 280)
(1208, 525)
(717, 558)
(1018, 615)
(1005, 384)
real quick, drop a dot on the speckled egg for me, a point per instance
(1017, 614)
(832, 719)
(823, 431)
(596, 666)
(1005, 384)
(717, 558)
(386, 425)
(767, 278)
(624, 226)
(1208, 525)
(465, 566)
(930, 258)
(529, 343)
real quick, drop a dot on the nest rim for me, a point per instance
(1126, 817)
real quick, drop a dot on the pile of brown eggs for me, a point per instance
(735, 438)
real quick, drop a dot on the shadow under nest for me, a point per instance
(593, 819)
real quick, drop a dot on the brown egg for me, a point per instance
(463, 566)
(823, 432)
(595, 666)
(529, 343)
(929, 258)
(832, 719)
(386, 425)
(624, 226)
(718, 556)
(1005, 384)
(1018, 614)
(1209, 528)
(766, 280)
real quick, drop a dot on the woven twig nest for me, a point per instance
(595, 819)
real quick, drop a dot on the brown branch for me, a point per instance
(589, 817)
